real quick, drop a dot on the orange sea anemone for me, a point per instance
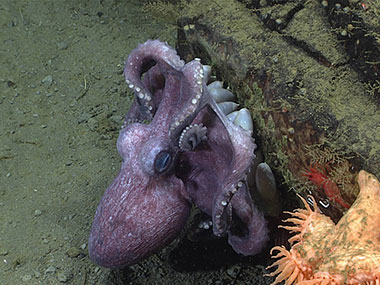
(325, 253)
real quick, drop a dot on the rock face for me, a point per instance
(309, 73)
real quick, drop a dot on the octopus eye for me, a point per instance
(162, 162)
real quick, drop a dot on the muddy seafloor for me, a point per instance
(62, 102)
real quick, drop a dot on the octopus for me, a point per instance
(182, 143)
(325, 253)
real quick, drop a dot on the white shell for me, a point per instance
(206, 72)
(221, 94)
(215, 84)
(244, 119)
(266, 186)
(227, 107)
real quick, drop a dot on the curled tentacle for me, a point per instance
(142, 59)
(254, 236)
(192, 136)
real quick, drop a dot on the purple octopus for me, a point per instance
(181, 143)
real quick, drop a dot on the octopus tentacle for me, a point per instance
(242, 140)
(192, 136)
(196, 97)
(222, 212)
(255, 233)
(139, 61)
